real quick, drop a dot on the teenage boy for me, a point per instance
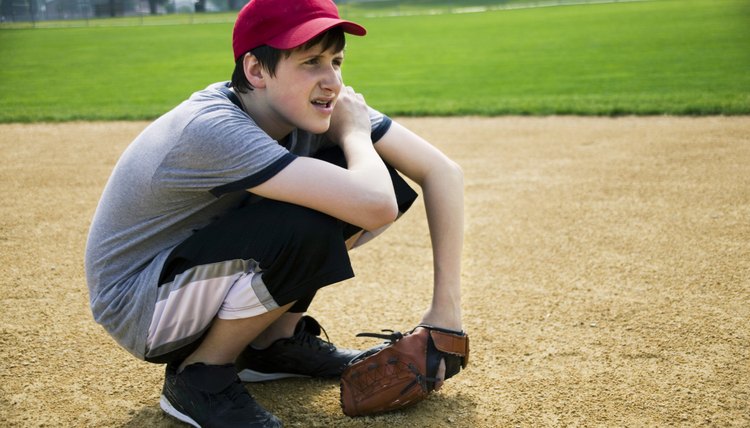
(222, 219)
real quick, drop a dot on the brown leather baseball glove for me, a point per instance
(402, 371)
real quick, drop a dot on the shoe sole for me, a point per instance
(171, 411)
(248, 375)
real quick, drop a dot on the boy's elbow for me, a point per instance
(454, 169)
(390, 210)
(452, 177)
(383, 211)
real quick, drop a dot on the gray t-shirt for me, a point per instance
(183, 171)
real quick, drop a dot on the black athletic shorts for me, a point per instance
(261, 256)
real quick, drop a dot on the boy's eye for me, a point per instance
(336, 62)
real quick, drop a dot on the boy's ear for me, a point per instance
(254, 72)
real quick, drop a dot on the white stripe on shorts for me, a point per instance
(185, 308)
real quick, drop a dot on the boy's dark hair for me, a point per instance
(268, 57)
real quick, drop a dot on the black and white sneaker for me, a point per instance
(212, 396)
(304, 354)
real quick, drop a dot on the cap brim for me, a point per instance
(308, 30)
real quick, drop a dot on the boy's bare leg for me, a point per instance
(281, 328)
(353, 240)
(227, 338)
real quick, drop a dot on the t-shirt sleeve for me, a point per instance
(221, 152)
(380, 124)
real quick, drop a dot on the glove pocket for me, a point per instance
(380, 383)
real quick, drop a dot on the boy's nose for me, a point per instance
(332, 80)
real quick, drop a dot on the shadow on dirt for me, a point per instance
(315, 402)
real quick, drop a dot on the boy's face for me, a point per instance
(305, 87)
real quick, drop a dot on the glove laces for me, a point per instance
(389, 335)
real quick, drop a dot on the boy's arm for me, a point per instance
(361, 194)
(441, 181)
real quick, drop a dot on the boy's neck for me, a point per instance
(257, 109)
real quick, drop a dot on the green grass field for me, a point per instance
(684, 57)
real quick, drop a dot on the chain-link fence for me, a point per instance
(51, 13)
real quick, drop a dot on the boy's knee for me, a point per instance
(308, 252)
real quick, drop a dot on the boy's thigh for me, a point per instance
(251, 261)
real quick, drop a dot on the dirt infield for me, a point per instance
(606, 280)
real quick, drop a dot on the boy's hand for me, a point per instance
(350, 117)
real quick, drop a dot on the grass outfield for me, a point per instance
(656, 57)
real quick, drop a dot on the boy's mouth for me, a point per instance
(325, 103)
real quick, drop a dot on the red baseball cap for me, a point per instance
(286, 24)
